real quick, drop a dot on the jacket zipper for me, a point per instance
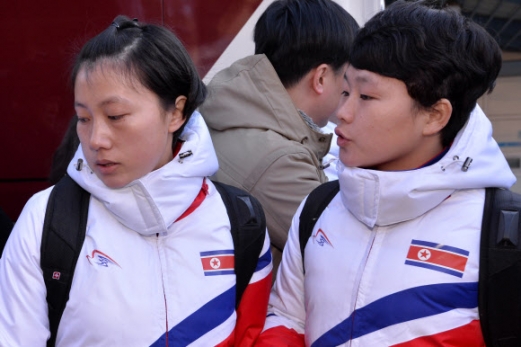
(164, 292)
(358, 279)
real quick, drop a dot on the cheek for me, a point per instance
(83, 133)
(150, 146)
(398, 135)
(82, 136)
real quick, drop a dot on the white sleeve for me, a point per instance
(287, 306)
(23, 307)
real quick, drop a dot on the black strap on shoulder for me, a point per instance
(62, 239)
(500, 269)
(315, 204)
(248, 228)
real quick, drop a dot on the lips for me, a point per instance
(106, 167)
(341, 140)
(105, 163)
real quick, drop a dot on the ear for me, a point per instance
(175, 114)
(437, 117)
(319, 76)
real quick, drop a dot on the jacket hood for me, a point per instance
(152, 203)
(388, 197)
(259, 100)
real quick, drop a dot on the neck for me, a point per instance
(302, 100)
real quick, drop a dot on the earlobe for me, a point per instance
(438, 117)
(176, 114)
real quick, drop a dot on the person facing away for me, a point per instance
(139, 280)
(265, 111)
(394, 258)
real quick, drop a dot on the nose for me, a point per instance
(346, 110)
(99, 137)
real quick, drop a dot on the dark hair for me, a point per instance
(153, 55)
(437, 52)
(299, 35)
(65, 152)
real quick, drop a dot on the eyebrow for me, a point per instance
(365, 79)
(108, 101)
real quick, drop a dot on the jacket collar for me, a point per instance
(151, 204)
(387, 197)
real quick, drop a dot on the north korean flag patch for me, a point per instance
(218, 262)
(433, 256)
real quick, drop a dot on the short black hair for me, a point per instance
(437, 52)
(299, 35)
(152, 54)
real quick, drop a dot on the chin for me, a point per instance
(114, 184)
(347, 162)
(354, 164)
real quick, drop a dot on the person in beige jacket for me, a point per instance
(265, 111)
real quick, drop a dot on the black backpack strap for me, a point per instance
(500, 269)
(248, 228)
(315, 204)
(62, 239)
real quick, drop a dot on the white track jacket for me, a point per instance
(394, 258)
(143, 277)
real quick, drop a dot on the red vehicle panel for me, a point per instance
(39, 40)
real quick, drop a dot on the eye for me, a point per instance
(365, 97)
(118, 117)
(82, 119)
(345, 93)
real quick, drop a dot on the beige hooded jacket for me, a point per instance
(263, 144)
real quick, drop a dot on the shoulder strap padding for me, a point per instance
(248, 228)
(500, 269)
(62, 239)
(315, 204)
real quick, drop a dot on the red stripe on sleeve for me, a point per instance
(280, 337)
(252, 311)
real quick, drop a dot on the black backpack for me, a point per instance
(499, 295)
(64, 233)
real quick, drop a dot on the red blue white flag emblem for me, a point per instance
(433, 256)
(218, 262)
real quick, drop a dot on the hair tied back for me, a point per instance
(134, 23)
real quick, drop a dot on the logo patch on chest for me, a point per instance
(434, 256)
(101, 259)
(321, 238)
(218, 262)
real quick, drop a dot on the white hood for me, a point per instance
(388, 197)
(151, 204)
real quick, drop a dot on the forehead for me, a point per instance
(107, 70)
(105, 83)
(365, 78)
(354, 75)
